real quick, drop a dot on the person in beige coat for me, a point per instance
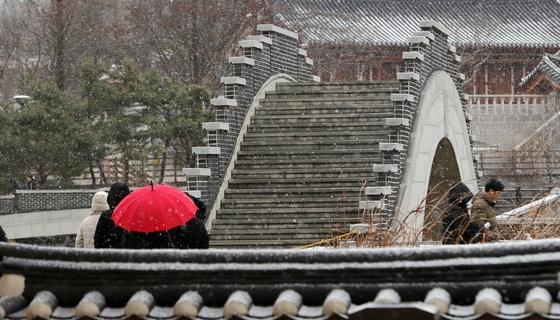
(483, 216)
(86, 231)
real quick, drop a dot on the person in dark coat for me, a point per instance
(201, 213)
(16, 185)
(191, 235)
(107, 234)
(30, 182)
(3, 237)
(456, 216)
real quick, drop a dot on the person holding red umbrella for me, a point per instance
(161, 216)
(107, 234)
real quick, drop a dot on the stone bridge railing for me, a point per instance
(274, 51)
(429, 51)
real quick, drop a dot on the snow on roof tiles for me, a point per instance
(18, 309)
(512, 23)
(151, 284)
(549, 64)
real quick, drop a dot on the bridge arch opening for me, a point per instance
(444, 174)
(439, 124)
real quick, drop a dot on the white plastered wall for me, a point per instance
(439, 115)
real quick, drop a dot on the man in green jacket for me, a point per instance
(483, 216)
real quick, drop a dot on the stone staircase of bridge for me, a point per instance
(305, 159)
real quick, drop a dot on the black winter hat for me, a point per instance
(460, 194)
(118, 191)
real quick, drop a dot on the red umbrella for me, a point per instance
(154, 208)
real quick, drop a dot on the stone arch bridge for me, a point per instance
(290, 162)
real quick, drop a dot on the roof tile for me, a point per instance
(504, 278)
(525, 23)
(549, 64)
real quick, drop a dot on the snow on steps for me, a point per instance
(302, 135)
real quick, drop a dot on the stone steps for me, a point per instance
(310, 161)
(282, 183)
(261, 229)
(300, 172)
(271, 173)
(335, 86)
(313, 106)
(278, 141)
(356, 173)
(299, 203)
(341, 200)
(338, 145)
(269, 223)
(342, 209)
(313, 233)
(255, 165)
(348, 117)
(308, 237)
(293, 193)
(304, 163)
(305, 154)
(352, 87)
(340, 221)
(302, 140)
(339, 95)
(286, 223)
(343, 122)
(295, 233)
(299, 99)
(321, 110)
(373, 125)
(261, 244)
(312, 135)
(308, 124)
(290, 230)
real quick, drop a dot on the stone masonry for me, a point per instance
(429, 51)
(506, 123)
(273, 51)
(319, 157)
(44, 200)
(7, 204)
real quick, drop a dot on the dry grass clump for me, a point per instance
(375, 229)
(542, 222)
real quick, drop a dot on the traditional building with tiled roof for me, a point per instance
(493, 23)
(544, 80)
(499, 41)
(545, 77)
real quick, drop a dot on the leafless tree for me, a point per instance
(190, 39)
(48, 38)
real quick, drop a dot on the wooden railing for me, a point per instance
(139, 171)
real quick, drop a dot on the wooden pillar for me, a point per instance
(378, 71)
(474, 82)
(511, 70)
(486, 79)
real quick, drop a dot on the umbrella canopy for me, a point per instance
(154, 208)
